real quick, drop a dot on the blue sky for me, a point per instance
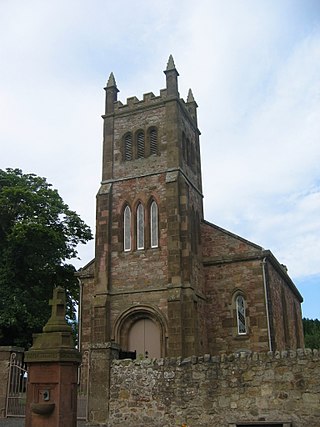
(254, 69)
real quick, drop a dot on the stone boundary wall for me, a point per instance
(217, 391)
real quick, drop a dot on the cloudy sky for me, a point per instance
(254, 69)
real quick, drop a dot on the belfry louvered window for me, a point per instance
(154, 233)
(127, 229)
(140, 227)
(153, 141)
(140, 145)
(241, 315)
(128, 147)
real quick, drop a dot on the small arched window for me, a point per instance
(128, 147)
(241, 315)
(140, 227)
(154, 233)
(140, 145)
(127, 229)
(153, 141)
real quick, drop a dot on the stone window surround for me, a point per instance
(241, 314)
(140, 226)
(150, 147)
(127, 219)
(240, 336)
(154, 224)
(133, 227)
(127, 147)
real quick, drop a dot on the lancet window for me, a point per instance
(140, 145)
(140, 227)
(153, 141)
(154, 233)
(128, 147)
(241, 315)
(127, 229)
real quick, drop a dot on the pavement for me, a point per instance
(19, 422)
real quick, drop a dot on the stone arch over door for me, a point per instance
(142, 329)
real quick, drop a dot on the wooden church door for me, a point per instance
(144, 338)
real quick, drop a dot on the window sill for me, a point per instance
(243, 337)
(139, 251)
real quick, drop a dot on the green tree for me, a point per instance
(311, 329)
(38, 234)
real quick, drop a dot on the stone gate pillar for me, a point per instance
(52, 372)
(101, 356)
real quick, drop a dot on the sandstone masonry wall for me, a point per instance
(286, 313)
(232, 265)
(217, 391)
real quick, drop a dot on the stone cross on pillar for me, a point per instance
(52, 371)
(57, 321)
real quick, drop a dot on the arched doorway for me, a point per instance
(142, 329)
(144, 338)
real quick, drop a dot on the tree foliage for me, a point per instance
(311, 329)
(38, 234)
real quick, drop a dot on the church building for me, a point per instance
(164, 281)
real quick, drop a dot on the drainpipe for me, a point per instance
(79, 314)
(266, 298)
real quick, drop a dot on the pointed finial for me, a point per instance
(111, 93)
(190, 96)
(170, 65)
(111, 81)
(192, 105)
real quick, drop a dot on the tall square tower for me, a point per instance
(148, 275)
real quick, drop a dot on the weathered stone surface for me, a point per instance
(187, 286)
(206, 394)
(53, 364)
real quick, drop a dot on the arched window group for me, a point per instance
(140, 144)
(141, 229)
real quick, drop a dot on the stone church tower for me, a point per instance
(165, 282)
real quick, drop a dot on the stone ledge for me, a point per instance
(240, 357)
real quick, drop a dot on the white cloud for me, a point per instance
(277, 168)
(254, 70)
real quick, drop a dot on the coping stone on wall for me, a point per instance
(238, 357)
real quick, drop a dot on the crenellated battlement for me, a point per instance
(113, 105)
(149, 99)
